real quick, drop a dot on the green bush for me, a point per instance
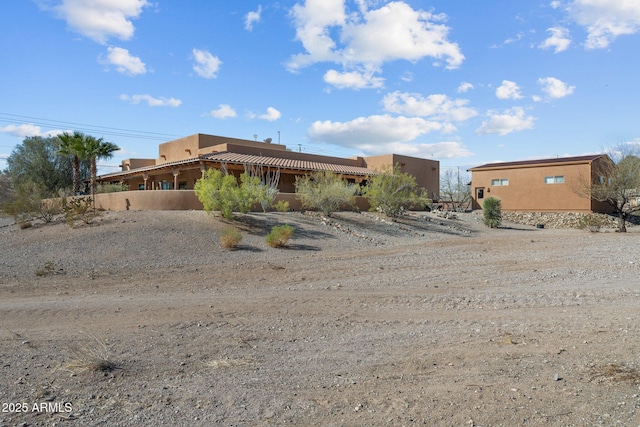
(492, 214)
(392, 192)
(280, 235)
(282, 206)
(325, 191)
(230, 238)
(221, 192)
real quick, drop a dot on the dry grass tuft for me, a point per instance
(230, 238)
(616, 372)
(508, 339)
(279, 236)
(227, 363)
(91, 356)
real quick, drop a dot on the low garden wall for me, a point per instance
(166, 200)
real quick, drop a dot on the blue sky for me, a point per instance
(464, 83)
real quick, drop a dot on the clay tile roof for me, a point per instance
(303, 165)
(248, 159)
(529, 163)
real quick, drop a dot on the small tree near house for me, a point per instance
(616, 182)
(455, 190)
(492, 212)
(221, 192)
(325, 191)
(393, 191)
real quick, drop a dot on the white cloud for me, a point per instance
(224, 111)
(151, 101)
(366, 39)
(206, 65)
(555, 88)
(465, 87)
(271, 115)
(407, 76)
(396, 31)
(251, 18)
(353, 80)
(508, 90)
(558, 40)
(511, 120)
(28, 129)
(313, 22)
(438, 150)
(605, 20)
(436, 107)
(517, 38)
(372, 130)
(375, 135)
(124, 62)
(101, 19)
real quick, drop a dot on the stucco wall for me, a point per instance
(527, 191)
(160, 200)
(425, 171)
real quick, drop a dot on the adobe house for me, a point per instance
(182, 162)
(545, 185)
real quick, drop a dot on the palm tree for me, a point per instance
(95, 149)
(73, 145)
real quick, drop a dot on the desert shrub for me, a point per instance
(93, 355)
(78, 208)
(591, 222)
(282, 206)
(26, 204)
(230, 238)
(221, 192)
(492, 212)
(47, 269)
(392, 192)
(111, 188)
(280, 235)
(266, 185)
(325, 191)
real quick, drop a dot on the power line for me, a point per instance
(105, 130)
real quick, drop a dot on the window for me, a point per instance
(554, 179)
(500, 181)
(182, 185)
(602, 180)
(480, 193)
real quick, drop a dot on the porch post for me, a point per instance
(145, 176)
(176, 172)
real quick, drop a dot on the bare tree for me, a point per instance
(616, 182)
(269, 178)
(454, 189)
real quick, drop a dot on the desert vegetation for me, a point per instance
(280, 235)
(325, 191)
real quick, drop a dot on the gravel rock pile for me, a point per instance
(556, 219)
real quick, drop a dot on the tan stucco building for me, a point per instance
(182, 162)
(545, 185)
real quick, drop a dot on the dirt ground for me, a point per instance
(140, 318)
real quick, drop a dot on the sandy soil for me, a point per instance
(140, 318)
